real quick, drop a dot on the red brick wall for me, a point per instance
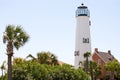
(95, 58)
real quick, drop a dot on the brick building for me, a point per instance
(102, 58)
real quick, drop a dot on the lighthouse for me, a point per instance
(83, 40)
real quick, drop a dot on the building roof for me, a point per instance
(105, 56)
(60, 62)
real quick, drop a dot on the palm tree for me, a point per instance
(47, 58)
(14, 36)
(86, 55)
(95, 70)
(54, 60)
(44, 58)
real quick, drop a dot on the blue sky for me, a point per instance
(51, 25)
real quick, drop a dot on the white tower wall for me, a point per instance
(83, 40)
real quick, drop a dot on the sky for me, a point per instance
(51, 25)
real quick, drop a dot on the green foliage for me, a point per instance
(29, 70)
(4, 77)
(114, 68)
(95, 70)
(2, 67)
(66, 72)
(18, 61)
(47, 58)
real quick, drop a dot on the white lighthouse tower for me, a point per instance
(83, 41)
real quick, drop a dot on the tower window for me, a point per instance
(76, 53)
(85, 40)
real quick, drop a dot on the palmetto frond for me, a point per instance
(16, 35)
(20, 37)
(5, 37)
(10, 31)
(87, 54)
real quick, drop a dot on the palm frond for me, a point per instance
(5, 38)
(20, 37)
(87, 54)
(17, 45)
(17, 31)
(16, 35)
(24, 37)
(10, 31)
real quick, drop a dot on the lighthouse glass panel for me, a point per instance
(82, 12)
